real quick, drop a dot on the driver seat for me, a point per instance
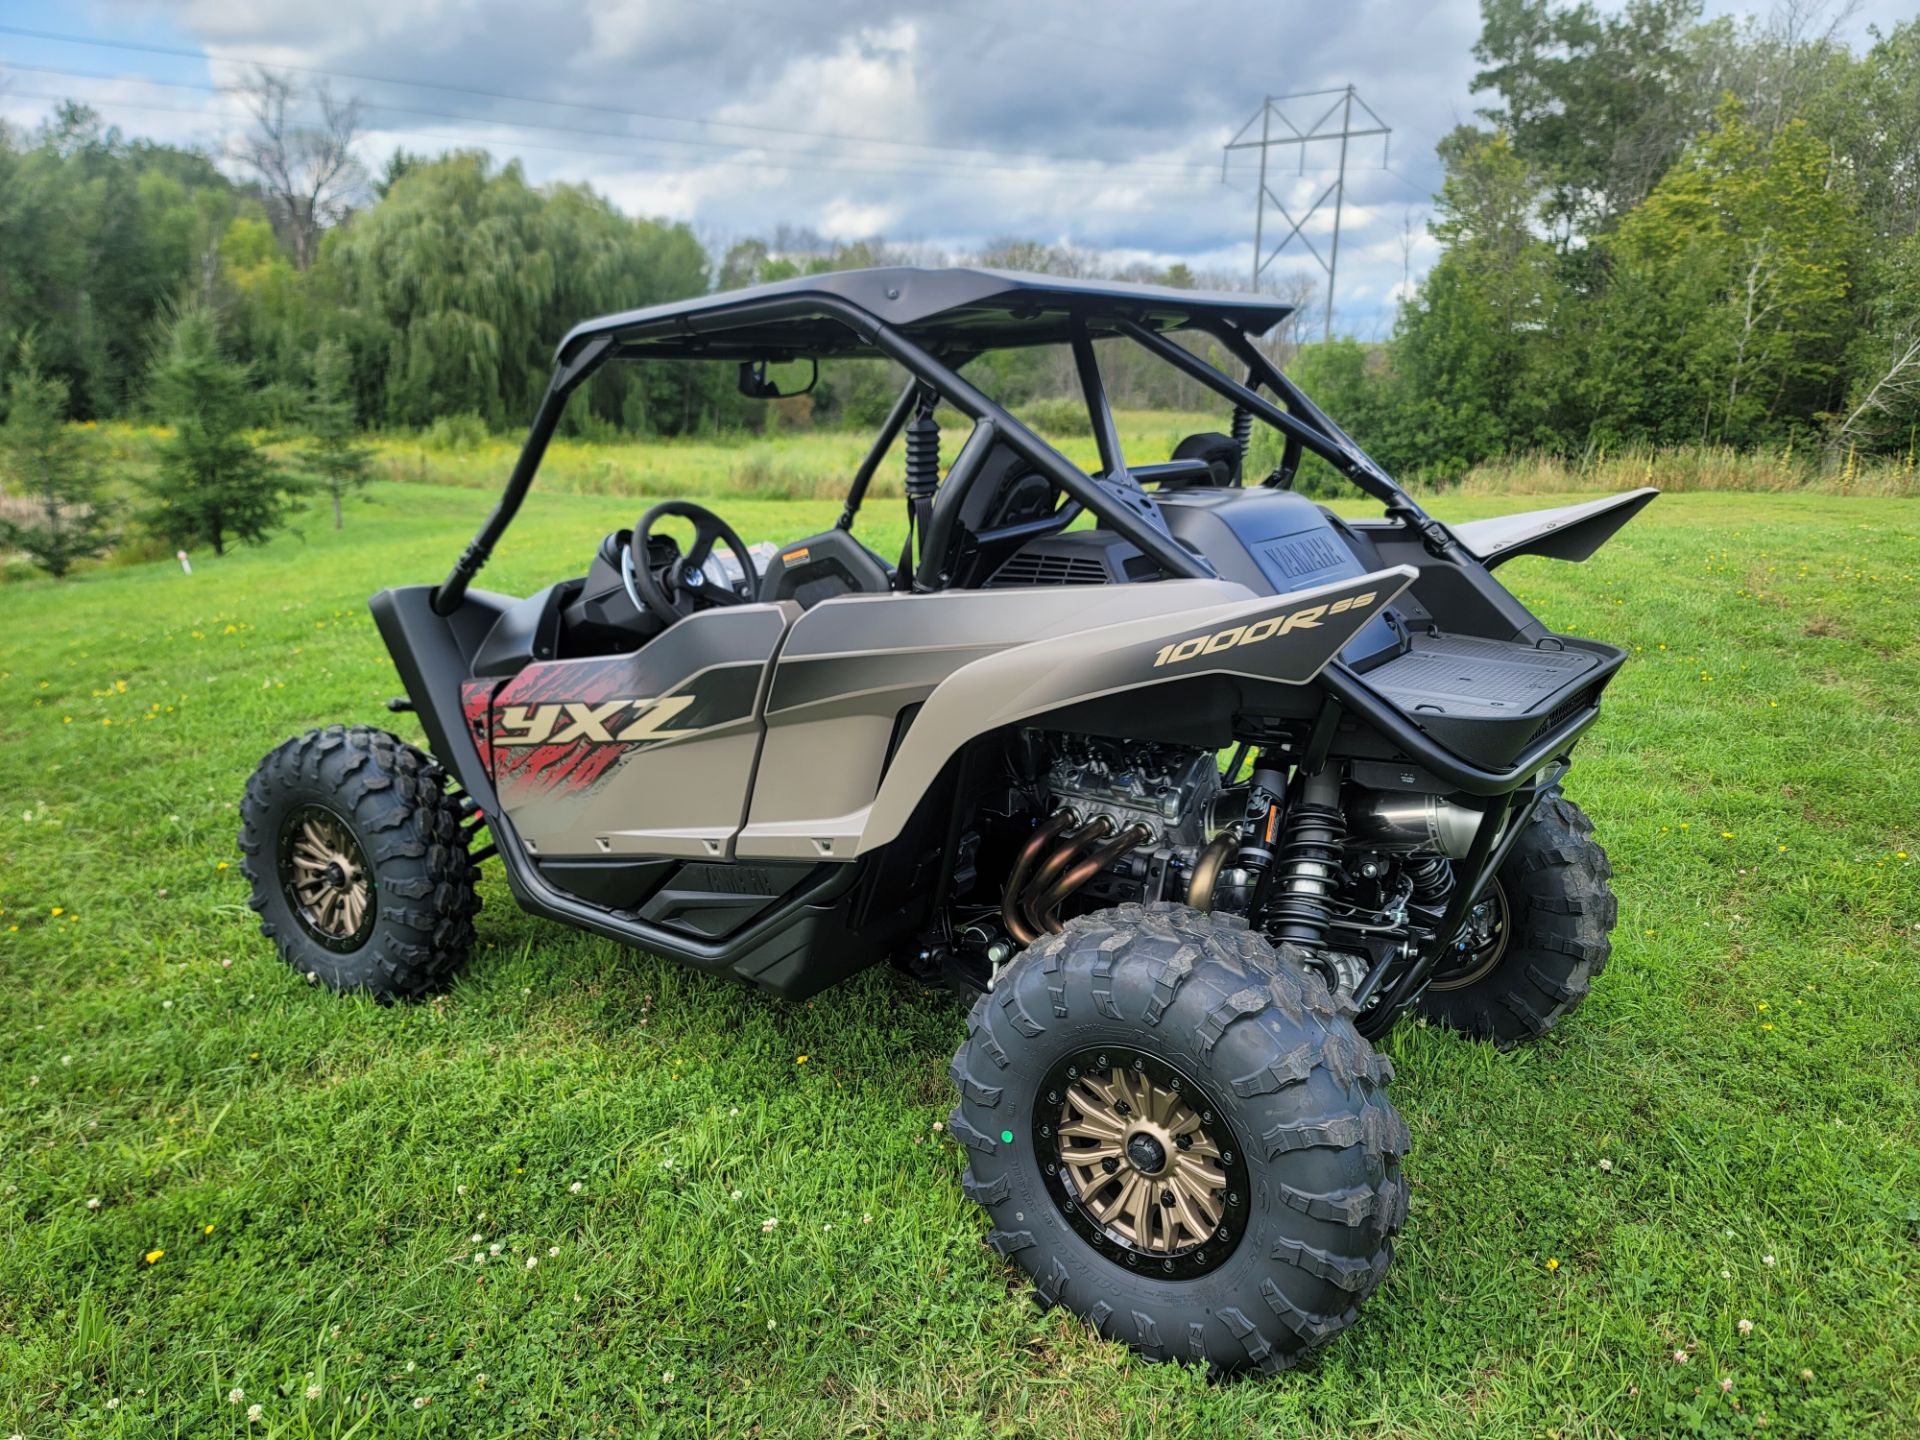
(821, 567)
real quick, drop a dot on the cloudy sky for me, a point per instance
(1092, 122)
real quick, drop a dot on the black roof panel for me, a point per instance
(944, 309)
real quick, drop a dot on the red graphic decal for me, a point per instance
(569, 701)
(474, 695)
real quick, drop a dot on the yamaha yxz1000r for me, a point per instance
(1200, 786)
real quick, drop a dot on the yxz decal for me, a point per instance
(1305, 619)
(566, 724)
(611, 721)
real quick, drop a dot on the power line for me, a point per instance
(182, 52)
(662, 162)
(906, 165)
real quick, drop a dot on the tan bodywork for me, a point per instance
(819, 793)
(804, 756)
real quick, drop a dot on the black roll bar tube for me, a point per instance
(882, 443)
(1094, 391)
(1367, 476)
(1108, 503)
(1152, 539)
(567, 377)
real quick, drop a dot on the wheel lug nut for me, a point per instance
(1166, 1198)
(1184, 1142)
(1110, 1165)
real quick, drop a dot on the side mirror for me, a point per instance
(755, 385)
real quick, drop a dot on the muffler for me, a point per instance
(1410, 822)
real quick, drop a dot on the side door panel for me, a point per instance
(643, 754)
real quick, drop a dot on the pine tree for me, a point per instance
(213, 484)
(330, 452)
(54, 474)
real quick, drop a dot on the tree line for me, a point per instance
(1661, 230)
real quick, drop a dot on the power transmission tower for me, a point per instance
(1271, 109)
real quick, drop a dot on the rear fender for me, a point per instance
(1288, 639)
(1565, 532)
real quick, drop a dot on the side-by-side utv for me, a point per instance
(1200, 786)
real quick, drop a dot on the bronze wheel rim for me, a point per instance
(325, 876)
(1492, 919)
(1142, 1162)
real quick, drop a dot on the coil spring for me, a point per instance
(1308, 873)
(923, 455)
(1242, 430)
(1432, 880)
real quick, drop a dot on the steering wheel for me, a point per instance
(689, 583)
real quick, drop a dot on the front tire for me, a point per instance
(1181, 1138)
(358, 863)
(1548, 916)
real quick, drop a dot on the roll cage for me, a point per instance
(932, 323)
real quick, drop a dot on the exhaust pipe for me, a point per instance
(1411, 822)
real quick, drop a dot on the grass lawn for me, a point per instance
(216, 1181)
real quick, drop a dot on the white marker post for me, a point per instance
(185, 564)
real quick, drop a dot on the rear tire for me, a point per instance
(1241, 1056)
(1557, 908)
(358, 863)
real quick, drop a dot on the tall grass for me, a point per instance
(1699, 467)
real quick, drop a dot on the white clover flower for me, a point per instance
(552, 1251)
(113, 1403)
(313, 1392)
(419, 1402)
(459, 1189)
(236, 1395)
(532, 1260)
(766, 1225)
(254, 1412)
(479, 1257)
(1767, 1260)
(409, 1367)
(1680, 1357)
(667, 1375)
(93, 1202)
(1606, 1166)
(735, 1195)
(866, 1219)
(575, 1188)
(1745, 1327)
(495, 1248)
(66, 1059)
(1726, 1383)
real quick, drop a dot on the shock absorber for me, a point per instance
(1307, 871)
(1432, 879)
(1242, 431)
(923, 475)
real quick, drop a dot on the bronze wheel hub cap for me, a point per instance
(1142, 1163)
(328, 883)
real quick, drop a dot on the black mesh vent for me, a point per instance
(1028, 568)
(1565, 711)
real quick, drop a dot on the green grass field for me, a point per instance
(584, 1193)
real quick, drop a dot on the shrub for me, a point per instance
(456, 434)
